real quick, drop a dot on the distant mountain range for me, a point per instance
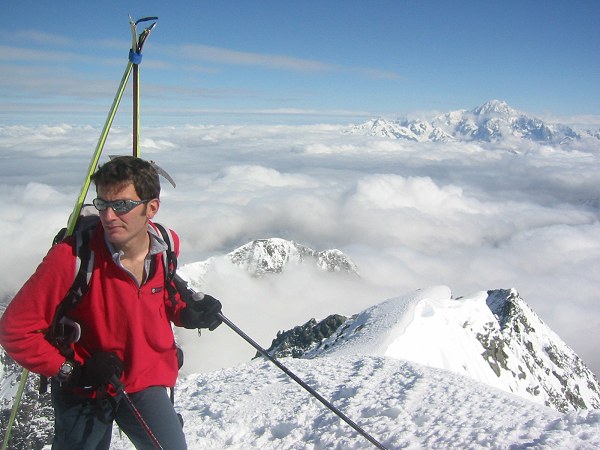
(493, 121)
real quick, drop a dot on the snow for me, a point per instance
(442, 341)
(369, 373)
(9, 386)
(401, 404)
(378, 373)
(430, 327)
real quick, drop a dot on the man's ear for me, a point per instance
(152, 208)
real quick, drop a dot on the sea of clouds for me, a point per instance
(410, 215)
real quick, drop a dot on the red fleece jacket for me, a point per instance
(115, 315)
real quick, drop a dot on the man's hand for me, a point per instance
(202, 311)
(100, 369)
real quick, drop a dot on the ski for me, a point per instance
(98, 151)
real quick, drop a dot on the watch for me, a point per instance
(65, 372)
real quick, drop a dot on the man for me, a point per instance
(125, 319)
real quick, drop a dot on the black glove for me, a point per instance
(100, 369)
(202, 311)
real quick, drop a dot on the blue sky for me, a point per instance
(288, 61)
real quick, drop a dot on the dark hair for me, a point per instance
(122, 170)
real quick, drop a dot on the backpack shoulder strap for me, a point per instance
(169, 256)
(62, 332)
(170, 265)
(169, 259)
(84, 266)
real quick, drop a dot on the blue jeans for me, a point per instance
(86, 424)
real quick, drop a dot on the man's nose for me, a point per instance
(108, 213)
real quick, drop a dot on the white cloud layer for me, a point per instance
(409, 215)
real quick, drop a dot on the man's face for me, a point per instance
(124, 229)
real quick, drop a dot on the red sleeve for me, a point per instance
(31, 311)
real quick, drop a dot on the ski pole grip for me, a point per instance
(187, 294)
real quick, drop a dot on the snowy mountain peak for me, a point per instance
(495, 107)
(494, 121)
(272, 255)
(493, 337)
(268, 256)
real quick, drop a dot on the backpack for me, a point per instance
(63, 331)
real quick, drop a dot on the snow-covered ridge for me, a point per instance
(491, 122)
(493, 337)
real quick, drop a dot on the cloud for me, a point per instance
(43, 38)
(254, 176)
(49, 75)
(394, 192)
(270, 61)
(278, 62)
(8, 53)
(409, 215)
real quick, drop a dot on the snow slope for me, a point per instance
(364, 373)
(401, 404)
(493, 337)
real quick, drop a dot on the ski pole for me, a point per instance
(71, 224)
(294, 377)
(136, 412)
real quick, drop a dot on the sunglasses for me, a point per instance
(118, 206)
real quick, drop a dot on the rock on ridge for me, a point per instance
(559, 374)
(299, 340)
